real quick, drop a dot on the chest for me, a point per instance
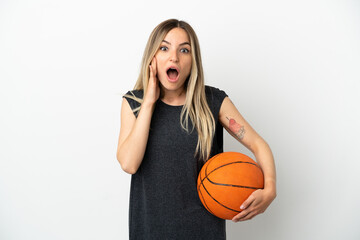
(166, 131)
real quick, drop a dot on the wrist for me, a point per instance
(148, 104)
(270, 186)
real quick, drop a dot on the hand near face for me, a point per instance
(153, 90)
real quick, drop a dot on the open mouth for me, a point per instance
(172, 73)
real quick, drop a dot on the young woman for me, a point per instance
(171, 123)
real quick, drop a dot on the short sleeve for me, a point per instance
(215, 97)
(132, 102)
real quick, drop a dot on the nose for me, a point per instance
(174, 56)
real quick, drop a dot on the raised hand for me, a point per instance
(153, 90)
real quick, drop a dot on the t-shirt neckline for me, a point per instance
(161, 101)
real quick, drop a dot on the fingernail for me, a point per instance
(242, 207)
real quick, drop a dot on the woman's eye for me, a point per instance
(184, 50)
(163, 48)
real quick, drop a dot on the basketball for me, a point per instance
(226, 180)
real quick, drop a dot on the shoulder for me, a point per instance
(215, 98)
(214, 94)
(134, 93)
(134, 98)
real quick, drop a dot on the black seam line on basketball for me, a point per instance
(232, 185)
(229, 164)
(210, 194)
(219, 202)
(206, 175)
(216, 156)
(203, 200)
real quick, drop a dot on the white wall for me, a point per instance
(291, 67)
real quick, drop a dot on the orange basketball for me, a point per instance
(226, 181)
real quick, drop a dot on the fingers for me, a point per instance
(153, 90)
(247, 210)
(247, 202)
(153, 68)
(151, 72)
(255, 204)
(245, 215)
(248, 216)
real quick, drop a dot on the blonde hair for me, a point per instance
(196, 106)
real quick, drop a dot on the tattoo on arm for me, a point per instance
(236, 128)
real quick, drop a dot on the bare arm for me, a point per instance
(237, 126)
(134, 132)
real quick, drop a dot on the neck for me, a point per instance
(175, 97)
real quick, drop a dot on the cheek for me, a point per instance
(188, 66)
(159, 65)
(160, 71)
(160, 58)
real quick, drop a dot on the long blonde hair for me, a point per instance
(196, 106)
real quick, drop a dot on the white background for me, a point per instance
(291, 68)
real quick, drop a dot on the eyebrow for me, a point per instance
(184, 43)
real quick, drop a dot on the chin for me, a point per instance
(171, 85)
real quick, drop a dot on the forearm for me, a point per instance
(132, 150)
(265, 159)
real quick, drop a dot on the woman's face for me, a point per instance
(174, 59)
